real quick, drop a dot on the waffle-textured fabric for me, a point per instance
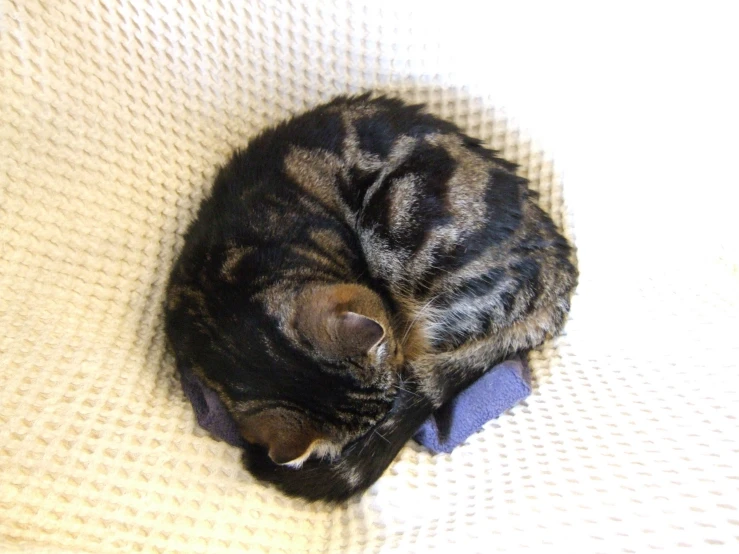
(113, 119)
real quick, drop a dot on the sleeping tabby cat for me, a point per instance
(353, 269)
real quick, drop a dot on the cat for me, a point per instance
(352, 269)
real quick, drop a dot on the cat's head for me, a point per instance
(303, 371)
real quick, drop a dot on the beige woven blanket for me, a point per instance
(113, 118)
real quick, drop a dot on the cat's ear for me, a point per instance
(356, 333)
(341, 321)
(288, 438)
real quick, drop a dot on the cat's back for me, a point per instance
(303, 183)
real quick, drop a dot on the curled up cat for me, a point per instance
(352, 270)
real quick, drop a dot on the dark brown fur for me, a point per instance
(352, 270)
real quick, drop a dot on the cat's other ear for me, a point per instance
(288, 438)
(356, 334)
(341, 320)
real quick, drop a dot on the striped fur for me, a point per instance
(430, 242)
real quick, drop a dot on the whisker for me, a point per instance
(405, 390)
(376, 432)
(418, 315)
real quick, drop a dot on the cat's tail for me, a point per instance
(361, 463)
